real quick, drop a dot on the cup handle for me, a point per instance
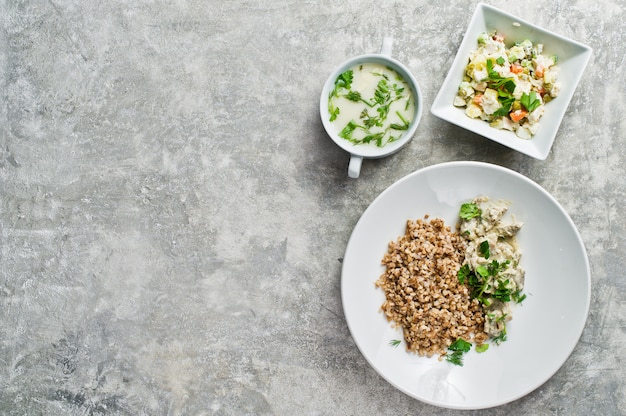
(387, 46)
(354, 168)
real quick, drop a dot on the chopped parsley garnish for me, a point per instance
(502, 292)
(460, 345)
(484, 249)
(530, 102)
(463, 273)
(356, 97)
(455, 358)
(482, 347)
(375, 137)
(500, 338)
(504, 86)
(404, 126)
(486, 276)
(334, 111)
(368, 120)
(346, 133)
(344, 80)
(518, 297)
(496, 81)
(458, 348)
(469, 211)
(507, 104)
(381, 95)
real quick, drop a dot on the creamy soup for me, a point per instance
(371, 105)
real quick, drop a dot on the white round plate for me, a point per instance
(545, 327)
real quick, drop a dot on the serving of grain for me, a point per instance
(422, 290)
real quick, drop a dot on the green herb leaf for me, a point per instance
(347, 131)
(354, 96)
(345, 79)
(460, 345)
(463, 273)
(469, 211)
(496, 81)
(530, 101)
(377, 137)
(482, 347)
(333, 111)
(381, 95)
(398, 89)
(501, 318)
(458, 348)
(404, 126)
(509, 86)
(494, 267)
(394, 342)
(357, 97)
(500, 338)
(455, 358)
(483, 270)
(404, 120)
(502, 292)
(479, 280)
(518, 297)
(368, 120)
(382, 75)
(396, 126)
(484, 249)
(503, 111)
(500, 60)
(383, 110)
(493, 75)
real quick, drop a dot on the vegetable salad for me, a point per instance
(508, 87)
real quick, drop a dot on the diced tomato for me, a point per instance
(517, 115)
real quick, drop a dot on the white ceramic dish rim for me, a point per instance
(572, 69)
(370, 152)
(384, 220)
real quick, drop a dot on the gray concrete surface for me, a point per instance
(173, 217)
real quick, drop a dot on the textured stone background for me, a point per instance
(173, 216)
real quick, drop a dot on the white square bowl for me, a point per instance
(572, 60)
